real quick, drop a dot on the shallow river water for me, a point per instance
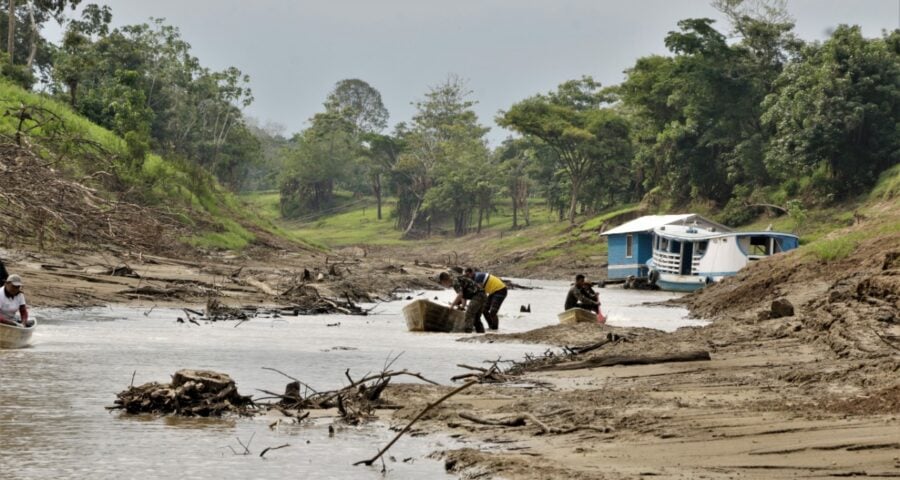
(52, 395)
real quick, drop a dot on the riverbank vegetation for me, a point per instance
(744, 122)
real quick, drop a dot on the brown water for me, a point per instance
(53, 423)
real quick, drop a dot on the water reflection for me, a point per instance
(53, 423)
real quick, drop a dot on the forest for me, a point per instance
(736, 118)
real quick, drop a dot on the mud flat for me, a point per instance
(813, 394)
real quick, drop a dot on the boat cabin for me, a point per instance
(631, 244)
(686, 252)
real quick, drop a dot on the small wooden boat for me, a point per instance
(426, 316)
(14, 336)
(577, 315)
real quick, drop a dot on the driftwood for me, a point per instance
(527, 418)
(191, 393)
(483, 375)
(356, 402)
(261, 286)
(414, 420)
(611, 360)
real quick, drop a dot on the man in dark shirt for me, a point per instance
(581, 295)
(469, 296)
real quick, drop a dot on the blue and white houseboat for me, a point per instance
(686, 252)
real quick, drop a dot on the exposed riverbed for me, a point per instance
(53, 423)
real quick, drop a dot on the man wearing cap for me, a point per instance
(12, 301)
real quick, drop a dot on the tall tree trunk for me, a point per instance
(376, 187)
(11, 28)
(412, 219)
(573, 204)
(32, 50)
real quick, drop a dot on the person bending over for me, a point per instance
(496, 293)
(469, 296)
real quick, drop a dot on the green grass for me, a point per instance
(841, 247)
(888, 185)
(190, 194)
(359, 225)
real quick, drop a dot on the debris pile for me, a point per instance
(307, 300)
(191, 393)
(63, 211)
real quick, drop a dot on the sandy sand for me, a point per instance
(812, 395)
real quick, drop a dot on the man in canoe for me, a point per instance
(12, 301)
(468, 295)
(581, 295)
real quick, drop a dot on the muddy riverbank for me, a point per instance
(813, 394)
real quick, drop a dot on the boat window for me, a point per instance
(663, 244)
(629, 246)
(701, 247)
(759, 246)
(778, 247)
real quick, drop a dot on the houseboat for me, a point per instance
(686, 252)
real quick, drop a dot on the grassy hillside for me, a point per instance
(552, 247)
(94, 156)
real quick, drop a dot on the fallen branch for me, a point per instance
(370, 461)
(266, 450)
(526, 418)
(608, 361)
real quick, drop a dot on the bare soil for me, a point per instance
(815, 394)
(812, 395)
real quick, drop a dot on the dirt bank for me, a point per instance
(814, 394)
(267, 277)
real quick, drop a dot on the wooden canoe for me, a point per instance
(14, 336)
(577, 315)
(426, 316)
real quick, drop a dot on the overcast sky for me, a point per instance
(295, 51)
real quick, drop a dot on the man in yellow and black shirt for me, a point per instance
(496, 294)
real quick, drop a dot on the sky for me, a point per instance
(507, 50)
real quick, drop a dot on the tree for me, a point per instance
(572, 122)
(444, 143)
(358, 104)
(516, 156)
(316, 160)
(696, 114)
(142, 82)
(382, 153)
(838, 111)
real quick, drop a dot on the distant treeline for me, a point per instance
(729, 119)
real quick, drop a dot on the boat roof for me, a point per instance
(649, 223)
(697, 233)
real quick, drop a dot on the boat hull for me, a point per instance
(577, 315)
(681, 283)
(12, 336)
(427, 316)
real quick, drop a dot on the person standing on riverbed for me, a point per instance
(468, 295)
(12, 301)
(496, 293)
(581, 295)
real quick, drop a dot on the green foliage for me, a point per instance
(836, 113)
(586, 138)
(445, 152)
(834, 249)
(888, 186)
(141, 82)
